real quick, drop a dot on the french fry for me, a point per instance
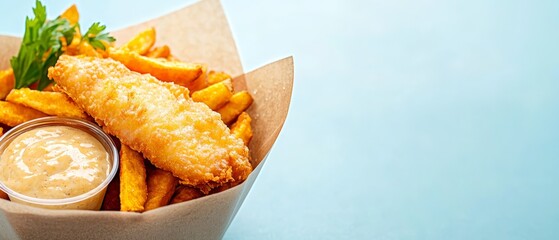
(172, 58)
(51, 103)
(185, 193)
(86, 49)
(71, 14)
(1, 131)
(13, 114)
(238, 103)
(161, 187)
(159, 52)
(215, 96)
(242, 129)
(7, 82)
(215, 77)
(133, 187)
(201, 81)
(142, 42)
(180, 73)
(111, 202)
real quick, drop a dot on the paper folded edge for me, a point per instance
(271, 86)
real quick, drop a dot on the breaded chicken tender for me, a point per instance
(157, 119)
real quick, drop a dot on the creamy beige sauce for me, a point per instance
(54, 162)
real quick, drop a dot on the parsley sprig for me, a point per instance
(96, 37)
(42, 45)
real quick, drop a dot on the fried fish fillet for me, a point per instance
(157, 119)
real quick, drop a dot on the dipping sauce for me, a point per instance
(54, 162)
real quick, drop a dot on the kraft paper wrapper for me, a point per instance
(198, 33)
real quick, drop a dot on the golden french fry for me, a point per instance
(13, 114)
(159, 52)
(142, 42)
(181, 73)
(238, 103)
(133, 187)
(86, 49)
(185, 193)
(1, 131)
(215, 77)
(201, 81)
(242, 129)
(172, 58)
(161, 187)
(7, 82)
(215, 96)
(71, 14)
(51, 103)
(111, 202)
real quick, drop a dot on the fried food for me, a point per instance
(242, 129)
(201, 81)
(215, 96)
(159, 52)
(175, 133)
(185, 193)
(215, 77)
(51, 103)
(13, 114)
(71, 14)
(238, 103)
(7, 82)
(161, 186)
(142, 42)
(133, 187)
(111, 202)
(181, 73)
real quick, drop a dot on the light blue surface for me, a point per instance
(423, 119)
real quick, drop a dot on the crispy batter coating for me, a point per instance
(172, 131)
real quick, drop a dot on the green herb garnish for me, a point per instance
(95, 37)
(42, 45)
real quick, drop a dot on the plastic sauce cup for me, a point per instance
(90, 200)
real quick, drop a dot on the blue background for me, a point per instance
(410, 119)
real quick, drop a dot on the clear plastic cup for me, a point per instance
(90, 200)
